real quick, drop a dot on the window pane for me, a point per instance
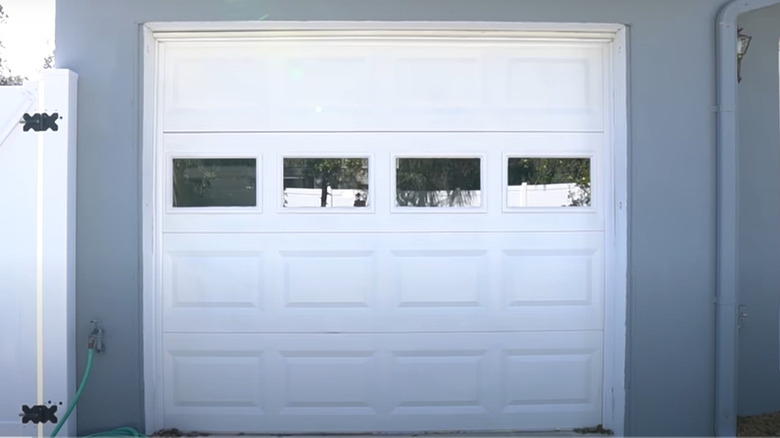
(549, 182)
(325, 182)
(438, 182)
(214, 182)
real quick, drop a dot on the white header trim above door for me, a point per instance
(589, 31)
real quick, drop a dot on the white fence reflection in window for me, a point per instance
(438, 182)
(548, 182)
(215, 182)
(325, 182)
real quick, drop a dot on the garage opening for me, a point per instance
(381, 231)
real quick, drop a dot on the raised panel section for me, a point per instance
(236, 87)
(329, 278)
(321, 382)
(323, 84)
(544, 84)
(439, 382)
(440, 278)
(552, 86)
(216, 379)
(564, 277)
(549, 377)
(192, 93)
(216, 279)
(438, 83)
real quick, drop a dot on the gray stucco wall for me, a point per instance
(759, 208)
(672, 183)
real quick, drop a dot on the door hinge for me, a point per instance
(742, 315)
(39, 414)
(39, 122)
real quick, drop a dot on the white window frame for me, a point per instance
(615, 150)
(596, 185)
(279, 199)
(481, 208)
(216, 209)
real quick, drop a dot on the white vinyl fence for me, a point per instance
(525, 195)
(37, 253)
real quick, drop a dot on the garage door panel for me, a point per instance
(440, 279)
(495, 151)
(532, 371)
(545, 420)
(570, 83)
(358, 246)
(346, 322)
(382, 85)
(383, 282)
(190, 87)
(188, 390)
(440, 381)
(222, 279)
(329, 279)
(327, 382)
(333, 143)
(337, 81)
(550, 277)
(435, 82)
(392, 382)
(420, 222)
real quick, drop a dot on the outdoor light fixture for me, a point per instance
(743, 43)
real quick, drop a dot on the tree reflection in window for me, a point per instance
(325, 182)
(438, 182)
(549, 182)
(214, 182)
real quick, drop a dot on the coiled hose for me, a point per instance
(119, 432)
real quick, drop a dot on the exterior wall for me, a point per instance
(671, 183)
(759, 235)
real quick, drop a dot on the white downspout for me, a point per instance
(727, 215)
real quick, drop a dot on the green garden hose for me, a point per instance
(119, 432)
(90, 354)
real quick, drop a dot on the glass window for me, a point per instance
(548, 182)
(325, 182)
(438, 182)
(214, 182)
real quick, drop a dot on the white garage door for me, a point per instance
(380, 232)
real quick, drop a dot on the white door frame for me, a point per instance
(616, 226)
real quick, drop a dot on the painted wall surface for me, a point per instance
(671, 183)
(759, 208)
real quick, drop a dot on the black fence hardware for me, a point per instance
(40, 122)
(39, 414)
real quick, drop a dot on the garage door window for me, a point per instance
(548, 182)
(214, 182)
(438, 182)
(325, 182)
